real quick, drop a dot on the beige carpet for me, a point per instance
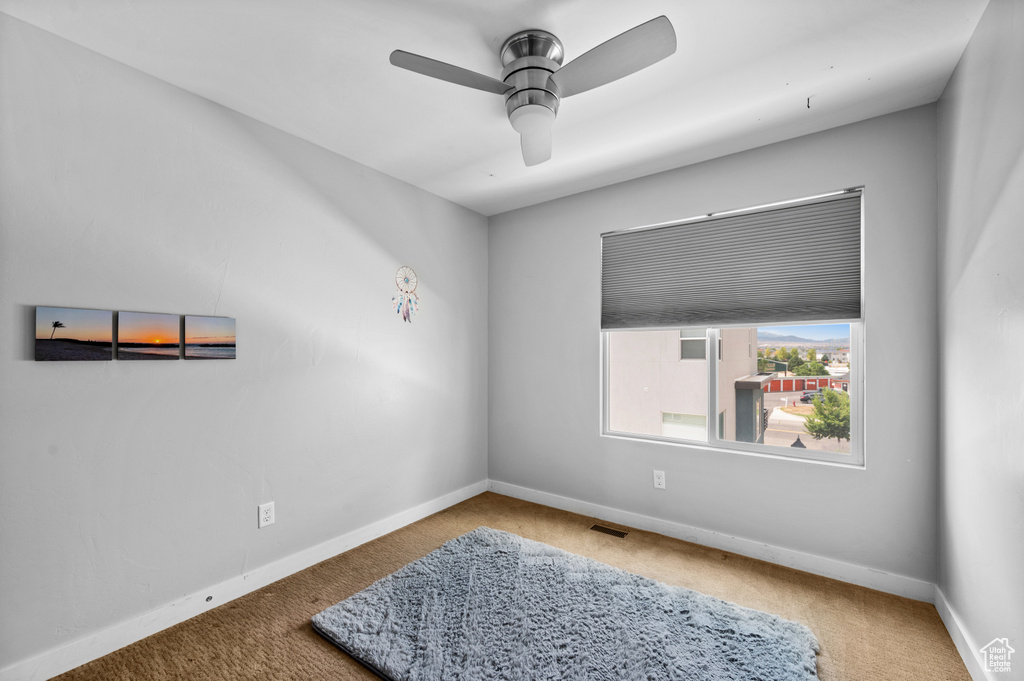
(864, 635)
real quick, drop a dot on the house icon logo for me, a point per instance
(997, 655)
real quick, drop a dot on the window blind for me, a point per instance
(795, 262)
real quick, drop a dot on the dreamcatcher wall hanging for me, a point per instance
(405, 301)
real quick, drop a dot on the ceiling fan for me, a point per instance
(533, 80)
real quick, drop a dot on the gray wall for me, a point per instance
(126, 485)
(981, 301)
(545, 372)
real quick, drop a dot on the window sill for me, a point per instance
(762, 451)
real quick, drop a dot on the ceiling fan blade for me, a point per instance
(447, 72)
(624, 54)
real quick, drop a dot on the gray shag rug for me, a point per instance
(491, 605)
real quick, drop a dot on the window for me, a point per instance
(684, 426)
(693, 344)
(733, 282)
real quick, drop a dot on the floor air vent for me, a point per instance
(607, 530)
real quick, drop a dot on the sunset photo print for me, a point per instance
(148, 335)
(73, 334)
(209, 337)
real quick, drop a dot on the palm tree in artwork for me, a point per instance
(56, 325)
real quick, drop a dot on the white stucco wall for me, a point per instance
(544, 428)
(739, 359)
(647, 377)
(981, 303)
(127, 485)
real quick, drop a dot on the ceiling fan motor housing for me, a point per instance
(529, 58)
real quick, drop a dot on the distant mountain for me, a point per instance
(770, 337)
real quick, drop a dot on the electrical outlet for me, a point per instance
(266, 514)
(659, 479)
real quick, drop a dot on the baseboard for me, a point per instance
(61, 659)
(964, 642)
(64, 658)
(847, 572)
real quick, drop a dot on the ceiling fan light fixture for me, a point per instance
(533, 122)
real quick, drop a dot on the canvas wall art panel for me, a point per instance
(148, 335)
(209, 337)
(74, 334)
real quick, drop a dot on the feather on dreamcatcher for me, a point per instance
(405, 301)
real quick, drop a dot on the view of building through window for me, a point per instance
(784, 386)
(652, 389)
(805, 386)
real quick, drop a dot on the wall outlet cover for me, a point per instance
(266, 514)
(659, 479)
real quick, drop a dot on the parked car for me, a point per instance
(809, 396)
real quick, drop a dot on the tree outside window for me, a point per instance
(831, 416)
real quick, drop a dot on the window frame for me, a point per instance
(683, 339)
(855, 459)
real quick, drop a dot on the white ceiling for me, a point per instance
(741, 77)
